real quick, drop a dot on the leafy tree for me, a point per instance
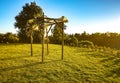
(28, 20)
(57, 34)
(29, 11)
(36, 37)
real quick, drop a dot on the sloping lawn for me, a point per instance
(80, 65)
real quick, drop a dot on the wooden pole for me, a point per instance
(31, 41)
(43, 48)
(47, 41)
(47, 31)
(62, 40)
(62, 26)
(43, 40)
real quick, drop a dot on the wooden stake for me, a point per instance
(43, 48)
(43, 40)
(47, 41)
(62, 40)
(31, 41)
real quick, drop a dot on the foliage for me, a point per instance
(71, 40)
(108, 39)
(36, 37)
(28, 14)
(80, 65)
(56, 36)
(118, 54)
(111, 40)
(86, 43)
(9, 38)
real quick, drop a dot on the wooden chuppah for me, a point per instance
(43, 22)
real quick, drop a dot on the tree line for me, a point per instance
(9, 38)
(108, 39)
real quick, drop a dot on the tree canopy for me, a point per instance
(28, 14)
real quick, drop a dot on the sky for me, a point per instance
(83, 15)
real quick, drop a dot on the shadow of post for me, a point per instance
(26, 65)
(19, 67)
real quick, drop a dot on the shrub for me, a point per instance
(71, 41)
(86, 44)
(118, 54)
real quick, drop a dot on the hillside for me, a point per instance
(80, 65)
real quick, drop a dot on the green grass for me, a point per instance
(80, 65)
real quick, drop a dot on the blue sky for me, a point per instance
(83, 15)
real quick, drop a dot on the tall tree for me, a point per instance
(27, 20)
(29, 11)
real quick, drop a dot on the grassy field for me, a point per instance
(80, 65)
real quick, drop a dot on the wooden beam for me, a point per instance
(58, 21)
(49, 29)
(52, 18)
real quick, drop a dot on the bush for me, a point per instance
(86, 44)
(9, 38)
(71, 41)
(118, 54)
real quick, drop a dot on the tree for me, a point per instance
(57, 33)
(29, 11)
(27, 20)
(36, 37)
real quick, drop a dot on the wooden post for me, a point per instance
(43, 39)
(31, 41)
(62, 40)
(47, 41)
(47, 31)
(43, 48)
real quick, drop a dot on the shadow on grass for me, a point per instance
(78, 50)
(113, 64)
(114, 72)
(12, 58)
(19, 67)
(108, 59)
(114, 60)
(26, 65)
